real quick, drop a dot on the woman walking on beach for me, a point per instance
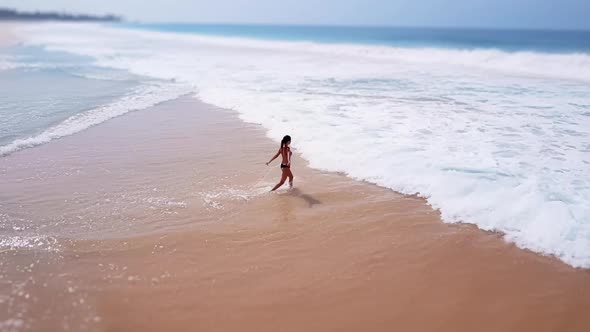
(285, 152)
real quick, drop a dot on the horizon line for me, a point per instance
(335, 25)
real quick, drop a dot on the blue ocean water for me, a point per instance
(492, 127)
(559, 41)
(47, 88)
(78, 90)
(50, 94)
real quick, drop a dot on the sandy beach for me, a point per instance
(179, 232)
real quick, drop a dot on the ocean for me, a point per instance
(550, 41)
(492, 127)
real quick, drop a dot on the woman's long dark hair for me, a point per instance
(285, 139)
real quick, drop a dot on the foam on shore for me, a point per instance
(498, 139)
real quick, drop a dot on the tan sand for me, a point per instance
(162, 223)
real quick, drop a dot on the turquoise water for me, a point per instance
(511, 40)
(33, 102)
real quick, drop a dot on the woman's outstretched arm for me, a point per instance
(275, 157)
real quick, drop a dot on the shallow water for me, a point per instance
(147, 223)
(493, 137)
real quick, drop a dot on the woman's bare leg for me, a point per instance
(283, 178)
(290, 175)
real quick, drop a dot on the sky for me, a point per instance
(531, 14)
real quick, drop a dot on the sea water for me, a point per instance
(48, 95)
(491, 127)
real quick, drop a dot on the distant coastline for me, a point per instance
(14, 15)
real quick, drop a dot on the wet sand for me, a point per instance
(161, 220)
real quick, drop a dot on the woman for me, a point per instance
(285, 152)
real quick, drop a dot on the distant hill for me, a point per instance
(13, 15)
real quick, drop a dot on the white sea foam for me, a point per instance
(143, 97)
(216, 199)
(6, 64)
(498, 139)
(37, 242)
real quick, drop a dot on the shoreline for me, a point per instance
(161, 219)
(474, 190)
(175, 232)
